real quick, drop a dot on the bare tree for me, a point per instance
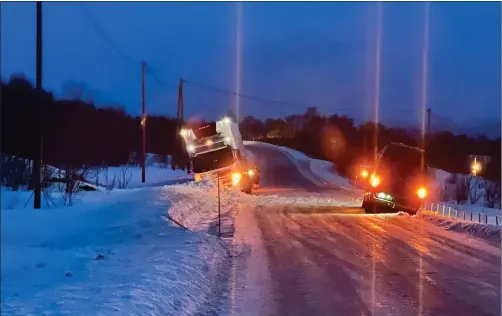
(461, 188)
(15, 171)
(492, 194)
(124, 177)
(109, 183)
(73, 177)
(473, 191)
(443, 194)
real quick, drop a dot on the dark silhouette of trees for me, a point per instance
(338, 139)
(77, 132)
(252, 128)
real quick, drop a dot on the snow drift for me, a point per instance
(488, 232)
(114, 256)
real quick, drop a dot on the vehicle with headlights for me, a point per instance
(398, 181)
(216, 150)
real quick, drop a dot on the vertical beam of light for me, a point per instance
(378, 48)
(420, 284)
(373, 276)
(425, 70)
(423, 106)
(238, 59)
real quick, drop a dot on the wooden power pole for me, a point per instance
(179, 115)
(179, 122)
(428, 124)
(39, 105)
(143, 124)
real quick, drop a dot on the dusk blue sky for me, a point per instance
(318, 54)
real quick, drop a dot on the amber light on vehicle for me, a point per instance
(251, 172)
(236, 177)
(374, 181)
(364, 174)
(422, 193)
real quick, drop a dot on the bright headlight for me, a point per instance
(422, 193)
(236, 177)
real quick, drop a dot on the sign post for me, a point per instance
(219, 207)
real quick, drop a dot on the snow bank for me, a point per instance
(326, 171)
(195, 205)
(470, 212)
(485, 231)
(115, 255)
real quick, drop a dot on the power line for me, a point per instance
(154, 75)
(252, 97)
(194, 83)
(106, 37)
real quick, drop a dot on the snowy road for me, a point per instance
(337, 261)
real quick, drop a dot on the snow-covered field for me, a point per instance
(113, 251)
(155, 175)
(117, 254)
(105, 179)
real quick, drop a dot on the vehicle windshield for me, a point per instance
(205, 130)
(213, 160)
(402, 160)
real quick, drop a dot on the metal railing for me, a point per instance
(452, 212)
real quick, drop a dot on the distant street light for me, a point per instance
(476, 167)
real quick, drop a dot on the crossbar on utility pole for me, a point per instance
(39, 106)
(143, 124)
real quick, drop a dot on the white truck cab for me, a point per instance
(216, 149)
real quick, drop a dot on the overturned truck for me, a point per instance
(216, 149)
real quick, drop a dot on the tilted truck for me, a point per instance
(216, 148)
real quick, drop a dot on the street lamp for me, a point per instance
(476, 167)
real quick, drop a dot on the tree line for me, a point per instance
(76, 131)
(338, 139)
(79, 133)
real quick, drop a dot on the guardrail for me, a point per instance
(448, 211)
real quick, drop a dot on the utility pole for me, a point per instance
(428, 124)
(179, 123)
(179, 115)
(143, 123)
(38, 154)
(428, 132)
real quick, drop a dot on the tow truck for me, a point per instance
(398, 181)
(216, 150)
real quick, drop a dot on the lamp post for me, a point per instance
(476, 167)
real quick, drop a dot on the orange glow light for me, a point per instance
(422, 193)
(375, 181)
(364, 174)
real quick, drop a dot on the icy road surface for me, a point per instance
(334, 260)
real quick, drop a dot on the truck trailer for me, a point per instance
(216, 149)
